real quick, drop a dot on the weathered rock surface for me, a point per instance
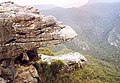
(72, 61)
(2, 80)
(26, 74)
(23, 29)
(27, 28)
(70, 58)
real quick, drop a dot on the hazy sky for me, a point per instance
(97, 1)
(61, 3)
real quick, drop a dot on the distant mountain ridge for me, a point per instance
(98, 26)
(90, 15)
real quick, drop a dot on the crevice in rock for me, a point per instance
(12, 40)
(32, 54)
(26, 58)
(19, 60)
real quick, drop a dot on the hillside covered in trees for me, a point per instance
(98, 28)
(96, 71)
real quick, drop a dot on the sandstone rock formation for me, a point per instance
(23, 29)
(68, 59)
(72, 61)
(26, 28)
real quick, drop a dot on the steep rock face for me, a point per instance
(114, 37)
(23, 29)
(29, 29)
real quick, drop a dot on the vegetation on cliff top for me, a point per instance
(96, 71)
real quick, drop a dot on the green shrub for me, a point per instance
(46, 51)
(48, 72)
(56, 66)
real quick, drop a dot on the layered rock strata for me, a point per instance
(23, 29)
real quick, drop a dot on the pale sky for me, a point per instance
(60, 3)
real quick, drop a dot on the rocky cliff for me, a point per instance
(23, 29)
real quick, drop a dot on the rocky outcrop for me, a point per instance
(37, 72)
(27, 28)
(72, 61)
(23, 29)
(68, 59)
